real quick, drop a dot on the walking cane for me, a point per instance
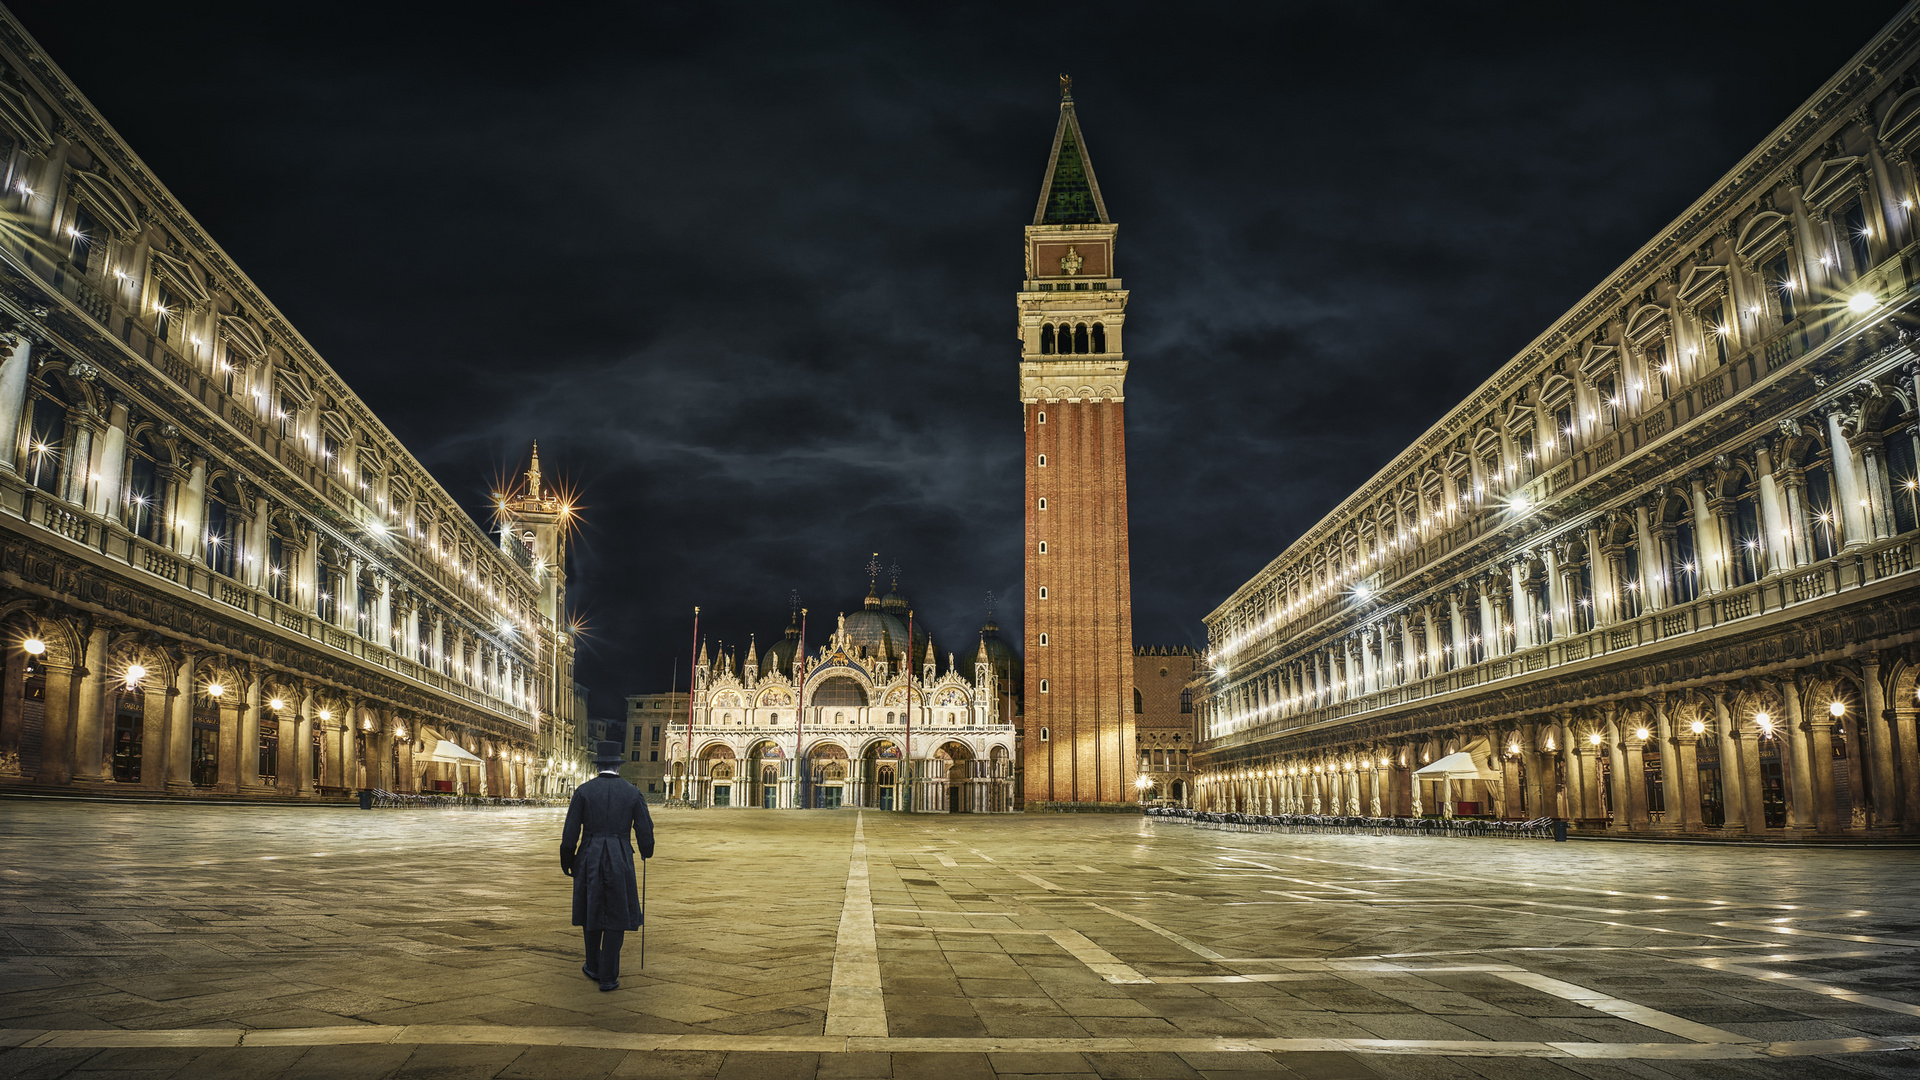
(643, 913)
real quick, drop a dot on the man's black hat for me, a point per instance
(608, 753)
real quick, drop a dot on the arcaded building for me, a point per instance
(220, 574)
(1656, 575)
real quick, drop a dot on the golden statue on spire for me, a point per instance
(533, 474)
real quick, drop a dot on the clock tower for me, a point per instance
(1079, 601)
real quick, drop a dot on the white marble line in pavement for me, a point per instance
(1193, 947)
(854, 1004)
(506, 1035)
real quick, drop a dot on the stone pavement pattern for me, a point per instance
(187, 941)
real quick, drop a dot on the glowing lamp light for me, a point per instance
(326, 714)
(1593, 737)
(1640, 733)
(1837, 709)
(34, 646)
(1699, 728)
(276, 704)
(135, 672)
(214, 690)
(1860, 302)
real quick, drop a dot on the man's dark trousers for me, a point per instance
(603, 953)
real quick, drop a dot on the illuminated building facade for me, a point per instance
(220, 574)
(1078, 736)
(1163, 723)
(1656, 575)
(875, 721)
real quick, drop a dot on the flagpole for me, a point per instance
(693, 655)
(800, 717)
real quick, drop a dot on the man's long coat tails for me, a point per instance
(594, 845)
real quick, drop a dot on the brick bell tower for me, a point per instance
(1079, 598)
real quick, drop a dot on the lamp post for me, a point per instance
(1143, 782)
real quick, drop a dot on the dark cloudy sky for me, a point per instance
(747, 272)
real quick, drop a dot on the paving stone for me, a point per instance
(744, 939)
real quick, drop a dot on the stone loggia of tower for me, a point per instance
(1079, 616)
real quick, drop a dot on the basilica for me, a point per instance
(871, 719)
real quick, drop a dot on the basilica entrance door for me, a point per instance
(723, 794)
(886, 798)
(953, 799)
(829, 797)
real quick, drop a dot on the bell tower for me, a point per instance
(1079, 746)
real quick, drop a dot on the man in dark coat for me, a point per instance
(595, 853)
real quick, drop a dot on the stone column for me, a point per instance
(1877, 723)
(113, 457)
(255, 572)
(292, 755)
(78, 485)
(1734, 781)
(89, 744)
(180, 721)
(249, 733)
(18, 354)
(156, 701)
(409, 778)
(1847, 495)
(1652, 569)
(1800, 801)
(12, 711)
(1778, 539)
(189, 511)
(1682, 801)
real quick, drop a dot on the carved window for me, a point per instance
(1563, 429)
(166, 310)
(1853, 222)
(1903, 475)
(1046, 339)
(225, 533)
(279, 567)
(1713, 323)
(47, 441)
(1099, 338)
(81, 236)
(1607, 389)
(1779, 276)
(141, 504)
(1823, 522)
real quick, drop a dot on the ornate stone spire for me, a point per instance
(533, 474)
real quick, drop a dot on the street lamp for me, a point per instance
(1142, 782)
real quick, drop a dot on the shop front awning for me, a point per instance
(449, 752)
(1460, 766)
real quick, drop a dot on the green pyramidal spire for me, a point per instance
(1069, 195)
